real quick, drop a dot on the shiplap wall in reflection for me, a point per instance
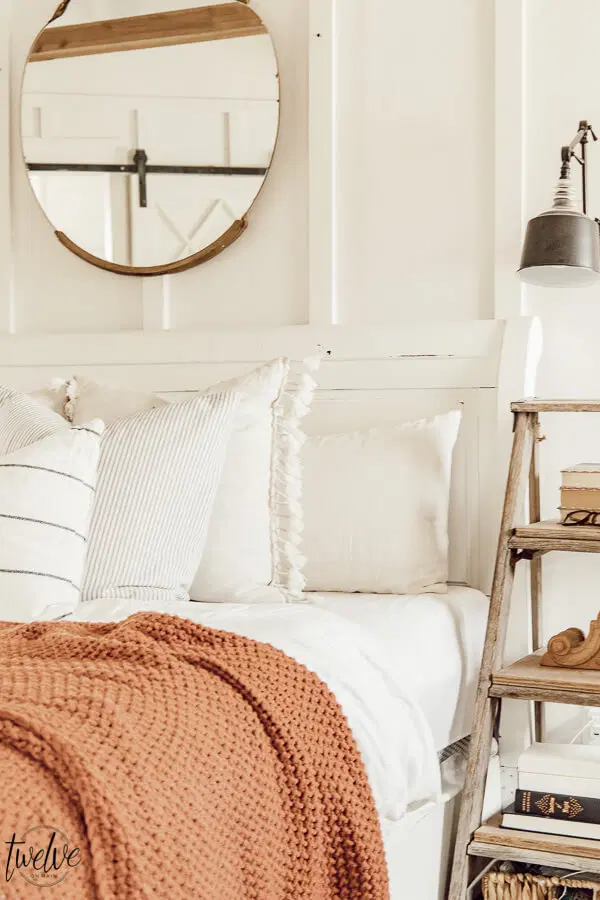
(262, 280)
(212, 103)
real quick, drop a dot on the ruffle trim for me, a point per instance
(71, 396)
(287, 518)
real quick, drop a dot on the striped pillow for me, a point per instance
(46, 495)
(157, 479)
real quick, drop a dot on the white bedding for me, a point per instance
(434, 644)
(390, 729)
(403, 669)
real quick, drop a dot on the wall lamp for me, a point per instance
(562, 244)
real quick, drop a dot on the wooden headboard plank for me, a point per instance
(339, 375)
(453, 340)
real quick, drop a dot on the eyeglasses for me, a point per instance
(581, 517)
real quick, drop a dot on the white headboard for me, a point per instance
(370, 375)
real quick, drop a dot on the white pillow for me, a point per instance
(376, 508)
(46, 496)
(251, 552)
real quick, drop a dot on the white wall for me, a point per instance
(415, 150)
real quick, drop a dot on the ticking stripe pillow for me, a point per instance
(158, 475)
(46, 495)
(157, 478)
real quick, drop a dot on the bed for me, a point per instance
(430, 644)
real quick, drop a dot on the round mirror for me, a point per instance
(148, 130)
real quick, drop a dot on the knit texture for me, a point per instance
(182, 762)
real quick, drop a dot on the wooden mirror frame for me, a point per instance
(228, 28)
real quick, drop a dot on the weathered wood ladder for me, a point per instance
(525, 680)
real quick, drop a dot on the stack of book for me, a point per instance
(559, 791)
(580, 490)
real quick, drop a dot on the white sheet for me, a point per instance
(389, 727)
(434, 644)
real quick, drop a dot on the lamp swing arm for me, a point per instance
(568, 153)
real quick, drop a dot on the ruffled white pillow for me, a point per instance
(252, 550)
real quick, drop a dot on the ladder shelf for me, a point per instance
(493, 842)
(527, 679)
(544, 537)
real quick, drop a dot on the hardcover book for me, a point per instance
(584, 475)
(567, 769)
(547, 825)
(560, 784)
(580, 498)
(572, 760)
(558, 806)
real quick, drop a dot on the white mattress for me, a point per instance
(434, 642)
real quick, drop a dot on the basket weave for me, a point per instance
(502, 886)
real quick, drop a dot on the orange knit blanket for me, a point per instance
(158, 758)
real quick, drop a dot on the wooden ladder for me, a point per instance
(525, 680)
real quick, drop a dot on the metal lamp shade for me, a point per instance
(561, 249)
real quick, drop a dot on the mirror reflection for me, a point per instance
(148, 130)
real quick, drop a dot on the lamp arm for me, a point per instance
(568, 153)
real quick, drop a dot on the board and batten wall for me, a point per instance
(406, 177)
(449, 119)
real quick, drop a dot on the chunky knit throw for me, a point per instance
(180, 762)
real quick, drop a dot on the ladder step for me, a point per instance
(534, 404)
(551, 535)
(493, 842)
(527, 679)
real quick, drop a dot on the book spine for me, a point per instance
(558, 806)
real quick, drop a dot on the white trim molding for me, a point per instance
(156, 303)
(322, 162)
(510, 101)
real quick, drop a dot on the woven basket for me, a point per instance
(501, 886)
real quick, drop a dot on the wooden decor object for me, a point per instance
(569, 672)
(572, 650)
(165, 29)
